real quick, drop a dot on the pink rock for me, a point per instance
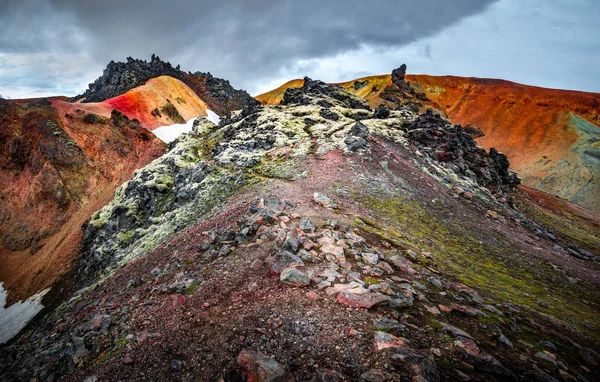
(333, 249)
(127, 360)
(258, 367)
(467, 345)
(402, 264)
(361, 298)
(385, 341)
(312, 295)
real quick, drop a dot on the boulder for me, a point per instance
(258, 367)
(294, 277)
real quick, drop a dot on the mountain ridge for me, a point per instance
(551, 149)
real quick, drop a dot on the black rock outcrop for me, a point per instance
(120, 77)
(452, 145)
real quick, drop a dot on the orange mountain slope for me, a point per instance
(551, 137)
(58, 164)
(161, 101)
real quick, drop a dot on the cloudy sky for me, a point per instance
(50, 47)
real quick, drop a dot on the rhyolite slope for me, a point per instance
(57, 166)
(425, 262)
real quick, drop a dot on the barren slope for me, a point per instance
(161, 101)
(58, 165)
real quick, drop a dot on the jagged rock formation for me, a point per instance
(120, 77)
(182, 186)
(321, 240)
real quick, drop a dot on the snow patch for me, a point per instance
(169, 133)
(15, 317)
(213, 117)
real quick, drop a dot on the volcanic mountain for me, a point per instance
(63, 160)
(550, 136)
(321, 240)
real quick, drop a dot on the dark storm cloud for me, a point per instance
(240, 40)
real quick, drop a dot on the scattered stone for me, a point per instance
(547, 356)
(436, 282)
(502, 338)
(387, 324)
(127, 360)
(432, 310)
(469, 311)
(176, 364)
(359, 130)
(467, 345)
(421, 368)
(312, 295)
(492, 214)
(370, 258)
(372, 376)
(355, 143)
(323, 200)
(306, 225)
(361, 298)
(385, 340)
(294, 277)
(456, 332)
(285, 259)
(258, 367)
(444, 308)
(402, 264)
(488, 364)
(381, 112)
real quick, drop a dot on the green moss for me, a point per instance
(192, 288)
(371, 280)
(385, 330)
(171, 111)
(492, 266)
(125, 237)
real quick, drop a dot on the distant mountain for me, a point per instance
(120, 77)
(550, 136)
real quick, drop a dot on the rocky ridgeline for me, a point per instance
(210, 164)
(120, 77)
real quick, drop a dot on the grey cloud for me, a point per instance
(243, 41)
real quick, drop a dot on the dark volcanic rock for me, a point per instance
(381, 112)
(398, 74)
(312, 88)
(120, 77)
(452, 145)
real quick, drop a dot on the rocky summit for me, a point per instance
(120, 77)
(322, 239)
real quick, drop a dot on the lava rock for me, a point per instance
(382, 112)
(294, 277)
(258, 367)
